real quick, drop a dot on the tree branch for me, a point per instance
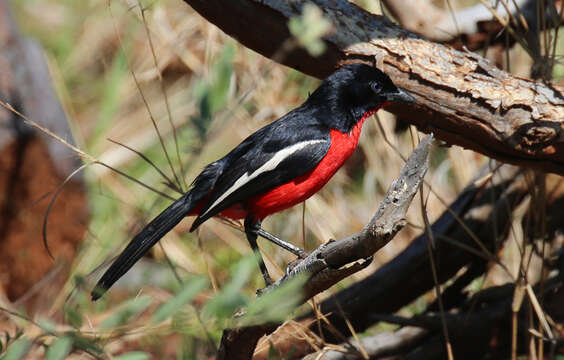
(326, 265)
(463, 99)
(379, 345)
(484, 208)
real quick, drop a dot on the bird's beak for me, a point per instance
(402, 96)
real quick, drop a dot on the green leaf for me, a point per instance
(222, 71)
(73, 317)
(47, 325)
(224, 304)
(276, 305)
(18, 349)
(59, 349)
(111, 98)
(309, 29)
(134, 355)
(129, 309)
(184, 296)
(213, 92)
(82, 343)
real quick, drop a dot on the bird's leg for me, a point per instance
(283, 244)
(251, 230)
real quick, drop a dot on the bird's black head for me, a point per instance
(352, 91)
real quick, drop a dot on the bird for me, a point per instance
(278, 166)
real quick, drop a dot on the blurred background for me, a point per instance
(117, 66)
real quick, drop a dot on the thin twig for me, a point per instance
(430, 241)
(80, 152)
(165, 96)
(455, 216)
(145, 102)
(52, 202)
(168, 181)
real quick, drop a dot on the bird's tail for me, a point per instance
(143, 241)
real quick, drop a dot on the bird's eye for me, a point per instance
(376, 87)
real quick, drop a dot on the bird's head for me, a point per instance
(354, 90)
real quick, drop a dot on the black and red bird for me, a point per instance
(278, 166)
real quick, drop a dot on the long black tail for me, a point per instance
(143, 241)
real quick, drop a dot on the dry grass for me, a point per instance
(96, 46)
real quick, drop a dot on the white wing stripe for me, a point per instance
(270, 165)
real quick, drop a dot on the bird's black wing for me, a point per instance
(280, 152)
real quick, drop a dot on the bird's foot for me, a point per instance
(302, 254)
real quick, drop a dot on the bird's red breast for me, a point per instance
(301, 188)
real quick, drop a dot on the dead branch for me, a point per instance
(464, 99)
(485, 209)
(382, 344)
(476, 328)
(326, 264)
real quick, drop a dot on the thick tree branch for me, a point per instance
(486, 212)
(485, 209)
(463, 98)
(379, 345)
(477, 329)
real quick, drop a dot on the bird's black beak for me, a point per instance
(401, 96)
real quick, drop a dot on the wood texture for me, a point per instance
(463, 98)
(408, 276)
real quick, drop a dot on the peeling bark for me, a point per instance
(463, 98)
